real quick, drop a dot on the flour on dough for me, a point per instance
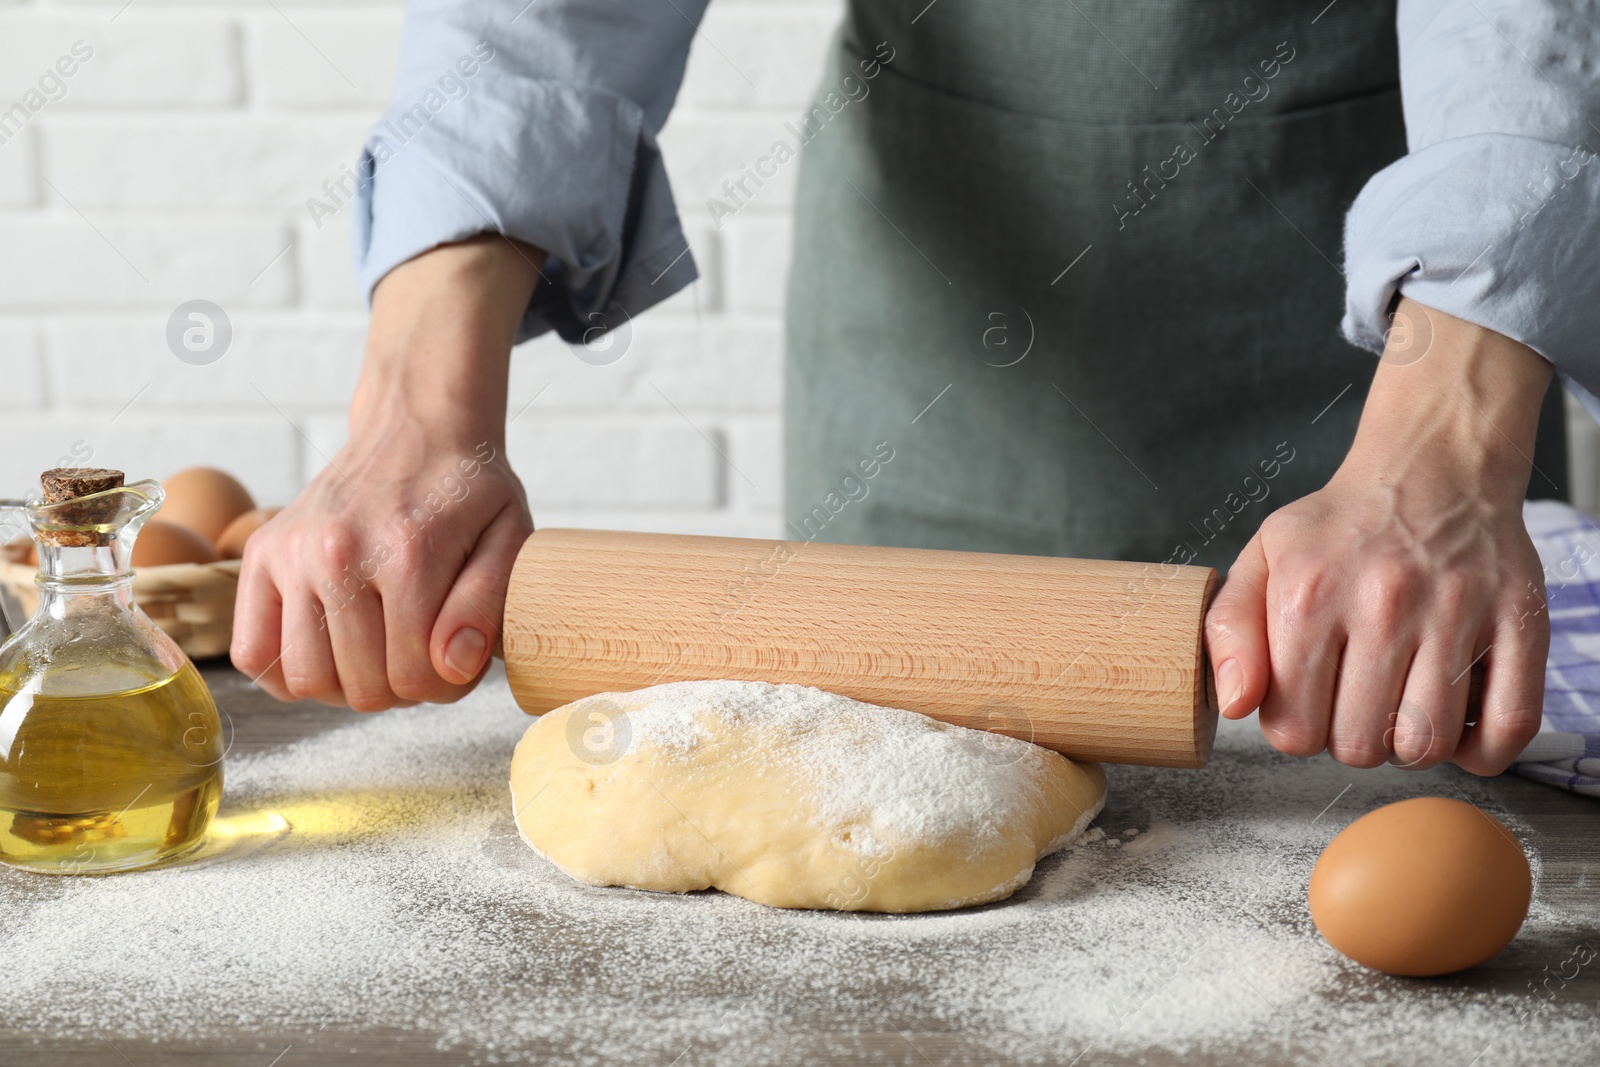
(792, 797)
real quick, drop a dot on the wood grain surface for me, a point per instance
(1098, 660)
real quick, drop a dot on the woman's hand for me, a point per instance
(1355, 615)
(384, 582)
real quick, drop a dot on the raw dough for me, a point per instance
(792, 797)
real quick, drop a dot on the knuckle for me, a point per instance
(1303, 595)
(1413, 733)
(256, 551)
(1415, 748)
(308, 685)
(1387, 591)
(369, 698)
(1386, 575)
(1361, 754)
(340, 547)
(1356, 746)
(1224, 626)
(248, 657)
(1519, 726)
(422, 686)
(1293, 739)
(1420, 753)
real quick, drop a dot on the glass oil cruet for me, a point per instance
(110, 745)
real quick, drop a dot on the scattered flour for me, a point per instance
(402, 898)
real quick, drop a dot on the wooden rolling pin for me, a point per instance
(1097, 660)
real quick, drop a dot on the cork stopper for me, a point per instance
(63, 484)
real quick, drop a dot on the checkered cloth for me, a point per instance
(1566, 751)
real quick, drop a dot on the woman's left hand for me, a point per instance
(1356, 615)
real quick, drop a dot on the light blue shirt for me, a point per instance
(1493, 215)
(540, 122)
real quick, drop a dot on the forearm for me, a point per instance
(439, 346)
(1452, 395)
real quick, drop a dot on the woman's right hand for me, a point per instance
(384, 582)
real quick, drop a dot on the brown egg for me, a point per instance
(161, 543)
(204, 500)
(231, 544)
(1422, 887)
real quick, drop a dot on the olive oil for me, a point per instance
(110, 746)
(98, 782)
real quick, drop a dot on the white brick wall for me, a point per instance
(176, 165)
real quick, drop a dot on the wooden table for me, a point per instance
(1565, 831)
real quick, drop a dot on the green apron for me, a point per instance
(1040, 305)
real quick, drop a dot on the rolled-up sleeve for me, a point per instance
(538, 121)
(1494, 214)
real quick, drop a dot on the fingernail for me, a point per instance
(464, 653)
(1230, 683)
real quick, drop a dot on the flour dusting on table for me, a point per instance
(403, 898)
